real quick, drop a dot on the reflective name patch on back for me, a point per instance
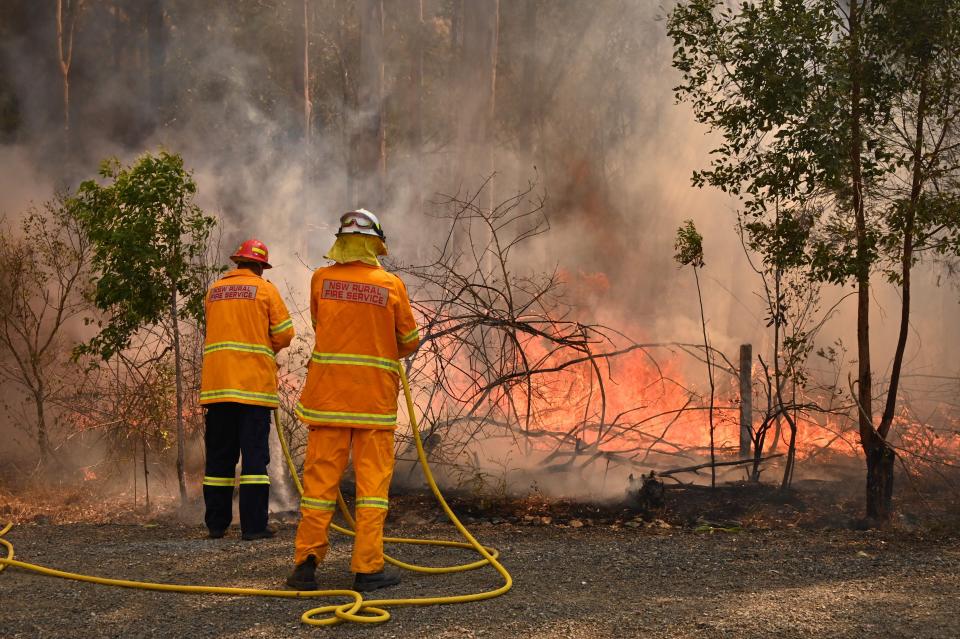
(355, 292)
(233, 292)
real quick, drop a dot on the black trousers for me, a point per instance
(235, 431)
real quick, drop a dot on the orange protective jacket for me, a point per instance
(364, 325)
(247, 325)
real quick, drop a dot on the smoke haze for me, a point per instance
(584, 107)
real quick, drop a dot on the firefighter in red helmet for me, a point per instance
(247, 325)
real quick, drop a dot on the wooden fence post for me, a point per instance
(746, 399)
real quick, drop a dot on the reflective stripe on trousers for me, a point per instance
(372, 502)
(234, 431)
(328, 449)
(219, 481)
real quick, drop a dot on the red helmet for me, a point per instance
(251, 251)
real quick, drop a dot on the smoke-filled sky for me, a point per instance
(588, 83)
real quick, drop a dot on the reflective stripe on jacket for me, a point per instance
(364, 325)
(247, 324)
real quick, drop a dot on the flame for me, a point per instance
(641, 406)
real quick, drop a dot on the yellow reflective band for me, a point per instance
(373, 502)
(219, 481)
(254, 479)
(318, 504)
(243, 347)
(409, 337)
(233, 393)
(349, 359)
(282, 326)
(258, 251)
(369, 419)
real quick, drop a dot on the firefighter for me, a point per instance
(247, 325)
(364, 325)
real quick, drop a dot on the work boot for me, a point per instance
(266, 533)
(304, 576)
(365, 582)
(216, 534)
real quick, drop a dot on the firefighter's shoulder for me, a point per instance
(270, 286)
(394, 279)
(320, 270)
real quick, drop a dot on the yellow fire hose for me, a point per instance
(356, 609)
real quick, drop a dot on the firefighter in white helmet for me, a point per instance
(364, 325)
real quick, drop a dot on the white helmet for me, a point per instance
(360, 221)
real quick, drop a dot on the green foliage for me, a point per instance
(689, 245)
(773, 79)
(149, 240)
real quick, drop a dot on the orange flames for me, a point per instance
(640, 405)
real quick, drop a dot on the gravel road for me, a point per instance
(587, 581)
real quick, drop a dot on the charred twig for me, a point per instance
(698, 467)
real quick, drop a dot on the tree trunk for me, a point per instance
(146, 473)
(873, 444)
(117, 36)
(790, 463)
(157, 38)
(66, 109)
(706, 347)
(178, 372)
(481, 33)
(43, 442)
(308, 165)
(778, 377)
(407, 19)
(371, 140)
(529, 112)
(65, 29)
(307, 104)
(349, 111)
(416, 116)
(865, 389)
(746, 399)
(880, 463)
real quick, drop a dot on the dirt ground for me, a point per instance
(577, 573)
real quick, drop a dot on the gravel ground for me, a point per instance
(588, 581)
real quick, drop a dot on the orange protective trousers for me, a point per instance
(328, 448)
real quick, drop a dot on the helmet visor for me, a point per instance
(355, 219)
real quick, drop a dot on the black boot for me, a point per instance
(266, 533)
(304, 576)
(365, 582)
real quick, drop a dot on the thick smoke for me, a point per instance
(611, 150)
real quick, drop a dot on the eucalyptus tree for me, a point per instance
(43, 271)
(837, 125)
(689, 247)
(149, 242)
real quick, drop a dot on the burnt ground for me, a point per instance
(741, 562)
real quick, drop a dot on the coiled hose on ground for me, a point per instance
(356, 608)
